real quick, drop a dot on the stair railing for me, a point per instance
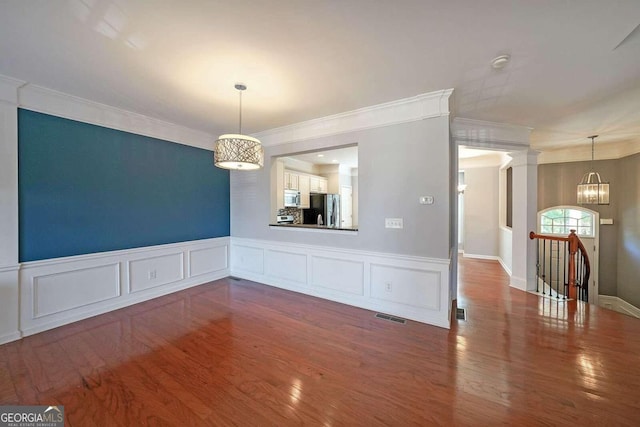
(562, 266)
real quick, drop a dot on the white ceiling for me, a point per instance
(178, 61)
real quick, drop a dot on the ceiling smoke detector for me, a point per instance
(499, 62)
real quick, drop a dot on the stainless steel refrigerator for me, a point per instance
(327, 205)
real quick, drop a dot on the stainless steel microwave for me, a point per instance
(291, 199)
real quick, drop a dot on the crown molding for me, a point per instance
(9, 89)
(49, 101)
(419, 107)
(582, 153)
(483, 134)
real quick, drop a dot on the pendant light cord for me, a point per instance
(240, 118)
(593, 145)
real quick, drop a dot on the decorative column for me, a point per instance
(9, 266)
(525, 211)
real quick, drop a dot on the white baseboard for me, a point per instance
(518, 283)
(478, 256)
(504, 266)
(411, 287)
(619, 305)
(14, 336)
(63, 290)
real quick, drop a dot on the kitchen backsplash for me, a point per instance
(297, 214)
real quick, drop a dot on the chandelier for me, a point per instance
(591, 190)
(238, 151)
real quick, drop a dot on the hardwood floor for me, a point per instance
(239, 353)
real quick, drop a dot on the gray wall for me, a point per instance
(397, 164)
(629, 230)
(557, 186)
(481, 211)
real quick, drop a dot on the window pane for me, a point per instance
(555, 213)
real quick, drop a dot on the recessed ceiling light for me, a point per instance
(499, 62)
(320, 155)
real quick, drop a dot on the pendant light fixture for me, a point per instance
(591, 190)
(238, 151)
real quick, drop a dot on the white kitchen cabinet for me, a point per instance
(323, 185)
(291, 181)
(305, 189)
(318, 184)
(314, 184)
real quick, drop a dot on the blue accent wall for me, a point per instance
(84, 188)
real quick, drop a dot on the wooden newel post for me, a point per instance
(573, 250)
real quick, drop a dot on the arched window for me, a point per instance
(561, 221)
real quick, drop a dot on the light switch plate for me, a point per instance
(606, 221)
(393, 223)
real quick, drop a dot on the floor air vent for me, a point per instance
(461, 314)
(391, 318)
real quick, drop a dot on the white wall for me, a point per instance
(505, 244)
(481, 211)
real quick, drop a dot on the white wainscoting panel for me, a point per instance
(208, 260)
(407, 286)
(419, 286)
(53, 293)
(287, 266)
(63, 290)
(248, 258)
(338, 275)
(148, 273)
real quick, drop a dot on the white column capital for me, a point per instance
(524, 157)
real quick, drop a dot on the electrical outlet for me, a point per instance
(387, 286)
(393, 223)
(152, 274)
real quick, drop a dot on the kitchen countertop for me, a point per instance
(314, 226)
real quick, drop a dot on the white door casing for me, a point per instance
(346, 206)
